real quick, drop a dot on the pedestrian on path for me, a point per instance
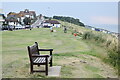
(75, 34)
(65, 29)
(51, 29)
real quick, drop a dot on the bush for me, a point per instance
(88, 35)
(111, 45)
(113, 53)
(70, 20)
(113, 58)
(108, 43)
(92, 36)
(99, 38)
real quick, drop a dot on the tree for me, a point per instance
(69, 19)
(27, 21)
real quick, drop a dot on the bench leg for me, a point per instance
(51, 62)
(46, 68)
(31, 68)
(51, 59)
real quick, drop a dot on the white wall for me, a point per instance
(93, 29)
(56, 25)
(12, 23)
(27, 15)
(22, 20)
(19, 26)
(104, 31)
(47, 24)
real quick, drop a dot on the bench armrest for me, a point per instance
(40, 55)
(45, 49)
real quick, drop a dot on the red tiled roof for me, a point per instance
(23, 13)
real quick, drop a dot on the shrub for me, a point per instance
(113, 53)
(88, 35)
(111, 44)
(99, 38)
(113, 58)
(108, 43)
(92, 36)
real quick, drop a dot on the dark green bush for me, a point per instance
(88, 35)
(92, 36)
(113, 58)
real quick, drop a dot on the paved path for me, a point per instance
(37, 23)
(54, 71)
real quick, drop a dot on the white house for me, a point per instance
(53, 23)
(12, 20)
(105, 31)
(93, 28)
(26, 13)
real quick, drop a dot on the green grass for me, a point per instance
(15, 44)
(92, 68)
(66, 47)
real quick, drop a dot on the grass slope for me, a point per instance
(77, 58)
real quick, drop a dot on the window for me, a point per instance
(26, 11)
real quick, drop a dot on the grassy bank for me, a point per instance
(77, 57)
(107, 41)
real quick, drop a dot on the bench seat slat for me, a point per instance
(40, 59)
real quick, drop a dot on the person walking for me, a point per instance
(65, 29)
(75, 34)
(51, 29)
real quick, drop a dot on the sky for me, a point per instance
(97, 14)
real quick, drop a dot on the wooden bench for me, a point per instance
(37, 59)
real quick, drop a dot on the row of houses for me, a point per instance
(19, 17)
(96, 29)
(16, 20)
(102, 30)
(46, 23)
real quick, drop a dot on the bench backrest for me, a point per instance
(33, 50)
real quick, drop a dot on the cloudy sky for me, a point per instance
(96, 14)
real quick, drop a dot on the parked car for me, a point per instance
(8, 27)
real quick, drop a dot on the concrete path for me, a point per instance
(54, 71)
